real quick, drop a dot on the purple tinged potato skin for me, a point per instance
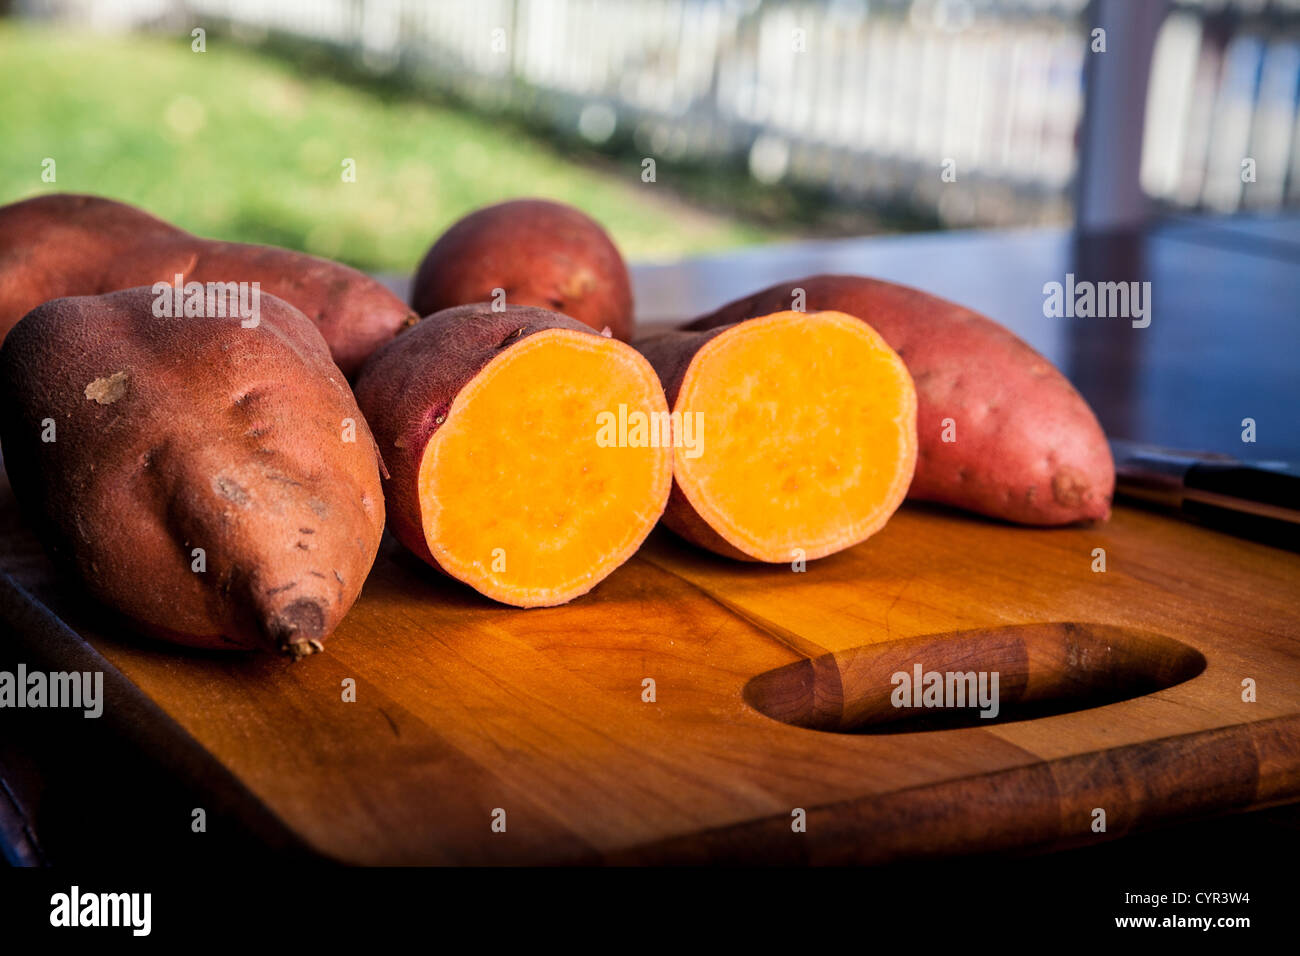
(1028, 448)
(540, 253)
(132, 440)
(70, 245)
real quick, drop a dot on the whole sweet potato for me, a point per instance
(1000, 430)
(215, 483)
(65, 245)
(519, 453)
(539, 253)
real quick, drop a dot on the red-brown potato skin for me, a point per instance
(406, 390)
(1028, 450)
(173, 434)
(541, 253)
(65, 245)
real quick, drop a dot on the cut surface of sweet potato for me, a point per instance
(518, 497)
(806, 428)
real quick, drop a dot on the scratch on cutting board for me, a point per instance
(790, 639)
(897, 597)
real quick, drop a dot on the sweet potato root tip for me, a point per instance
(297, 630)
(806, 435)
(297, 650)
(491, 425)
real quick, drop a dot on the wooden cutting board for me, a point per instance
(464, 709)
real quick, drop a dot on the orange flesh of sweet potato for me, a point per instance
(497, 474)
(807, 434)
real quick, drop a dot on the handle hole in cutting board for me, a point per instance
(1042, 669)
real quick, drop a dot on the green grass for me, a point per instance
(232, 144)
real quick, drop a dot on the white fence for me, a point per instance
(869, 99)
(1224, 89)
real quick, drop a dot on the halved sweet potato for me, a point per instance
(797, 434)
(491, 426)
(1002, 432)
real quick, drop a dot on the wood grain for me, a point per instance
(463, 707)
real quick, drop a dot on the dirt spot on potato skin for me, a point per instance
(231, 490)
(109, 389)
(1068, 487)
(578, 284)
(510, 338)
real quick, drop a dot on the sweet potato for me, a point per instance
(503, 472)
(797, 434)
(1001, 431)
(215, 483)
(65, 245)
(539, 253)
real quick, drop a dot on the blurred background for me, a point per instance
(766, 120)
